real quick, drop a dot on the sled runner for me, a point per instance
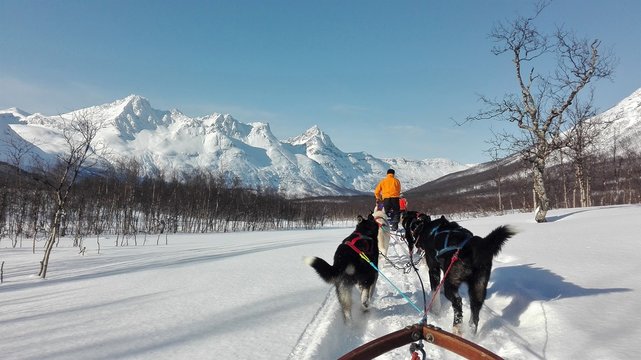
(418, 332)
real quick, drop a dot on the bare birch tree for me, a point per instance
(496, 151)
(585, 127)
(539, 106)
(79, 134)
(16, 149)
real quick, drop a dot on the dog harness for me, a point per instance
(352, 243)
(446, 248)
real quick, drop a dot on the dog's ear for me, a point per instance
(359, 218)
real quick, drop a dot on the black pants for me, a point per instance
(393, 209)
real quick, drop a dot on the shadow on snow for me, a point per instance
(525, 284)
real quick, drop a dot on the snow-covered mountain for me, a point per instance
(166, 142)
(625, 129)
(624, 132)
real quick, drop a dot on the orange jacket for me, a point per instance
(389, 187)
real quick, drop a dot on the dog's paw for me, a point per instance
(456, 330)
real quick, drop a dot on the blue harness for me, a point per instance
(447, 248)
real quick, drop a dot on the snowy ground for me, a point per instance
(560, 290)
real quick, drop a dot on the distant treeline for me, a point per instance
(611, 180)
(128, 205)
(125, 204)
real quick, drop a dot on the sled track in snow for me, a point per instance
(328, 337)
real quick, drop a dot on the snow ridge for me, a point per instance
(310, 164)
(170, 142)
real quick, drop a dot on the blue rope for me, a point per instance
(421, 312)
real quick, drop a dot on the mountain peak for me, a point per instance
(135, 98)
(19, 113)
(171, 142)
(314, 129)
(130, 115)
(228, 125)
(137, 103)
(313, 136)
(130, 104)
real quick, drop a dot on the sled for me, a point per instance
(429, 333)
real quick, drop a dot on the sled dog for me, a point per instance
(349, 269)
(383, 231)
(441, 239)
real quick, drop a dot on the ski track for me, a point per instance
(328, 337)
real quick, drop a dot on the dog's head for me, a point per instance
(407, 217)
(412, 222)
(379, 213)
(381, 218)
(411, 219)
(367, 226)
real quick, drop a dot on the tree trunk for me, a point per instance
(500, 199)
(51, 240)
(588, 190)
(565, 191)
(44, 264)
(581, 182)
(542, 203)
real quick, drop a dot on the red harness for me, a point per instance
(352, 243)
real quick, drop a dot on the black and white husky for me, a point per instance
(349, 268)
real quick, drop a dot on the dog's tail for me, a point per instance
(490, 246)
(326, 271)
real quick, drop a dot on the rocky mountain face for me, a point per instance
(169, 142)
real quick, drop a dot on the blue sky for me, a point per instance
(385, 77)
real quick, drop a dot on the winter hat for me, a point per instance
(391, 171)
